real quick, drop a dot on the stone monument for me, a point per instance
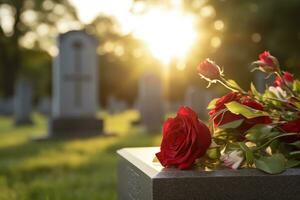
(198, 99)
(140, 178)
(261, 81)
(75, 87)
(7, 106)
(23, 102)
(44, 106)
(150, 101)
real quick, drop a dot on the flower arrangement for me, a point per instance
(247, 129)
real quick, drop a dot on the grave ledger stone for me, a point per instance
(23, 102)
(75, 87)
(140, 178)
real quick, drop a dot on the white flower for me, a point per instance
(279, 92)
(232, 159)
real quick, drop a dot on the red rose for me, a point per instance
(209, 70)
(287, 77)
(220, 118)
(267, 62)
(291, 127)
(185, 138)
(266, 58)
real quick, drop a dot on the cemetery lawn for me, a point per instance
(64, 169)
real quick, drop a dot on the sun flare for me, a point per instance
(168, 34)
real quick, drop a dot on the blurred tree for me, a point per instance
(237, 31)
(22, 24)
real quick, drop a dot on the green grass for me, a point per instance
(64, 169)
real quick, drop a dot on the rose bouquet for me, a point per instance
(247, 129)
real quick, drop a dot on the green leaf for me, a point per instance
(292, 163)
(249, 113)
(274, 164)
(248, 153)
(295, 154)
(296, 144)
(233, 124)
(296, 86)
(254, 91)
(212, 103)
(260, 132)
(234, 85)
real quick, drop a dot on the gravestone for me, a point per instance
(23, 102)
(150, 101)
(198, 99)
(115, 105)
(7, 106)
(173, 106)
(44, 106)
(140, 178)
(261, 81)
(75, 87)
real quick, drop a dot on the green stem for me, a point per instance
(228, 87)
(279, 136)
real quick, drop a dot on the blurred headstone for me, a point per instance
(7, 106)
(261, 81)
(173, 106)
(75, 87)
(198, 99)
(23, 102)
(150, 101)
(44, 106)
(115, 105)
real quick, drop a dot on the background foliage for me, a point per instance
(250, 27)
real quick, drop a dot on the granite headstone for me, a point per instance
(7, 106)
(75, 87)
(140, 178)
(115, 105)
(44, 106)
(198, 99)
(23, 102)
(150, 101)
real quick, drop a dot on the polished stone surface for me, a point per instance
(140, 178)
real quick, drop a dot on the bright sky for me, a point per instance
(89, 9)
(168, 33)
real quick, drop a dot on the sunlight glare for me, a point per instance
(168, 34)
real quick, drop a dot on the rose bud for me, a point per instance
(232, 159)
(209, 70)
(267, 62)
(287, 78)
(185, 138)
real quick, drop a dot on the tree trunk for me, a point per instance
(10, 54)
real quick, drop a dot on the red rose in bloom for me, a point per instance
(287, 77)
(185, 138)
(267, 62)
(209, 70)
(220, 118)
(291, 127)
